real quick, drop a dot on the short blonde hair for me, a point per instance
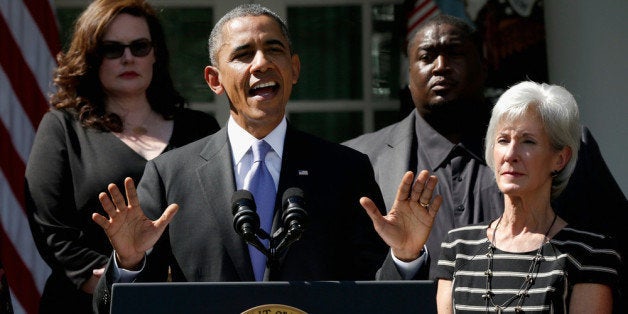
(558, 111)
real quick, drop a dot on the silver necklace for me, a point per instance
(528, 281)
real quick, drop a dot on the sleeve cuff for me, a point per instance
(121, 275)
(409, 269)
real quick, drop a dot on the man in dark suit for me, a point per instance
(253, 63)
(445, 133)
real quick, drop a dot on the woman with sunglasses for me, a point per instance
(115, 108)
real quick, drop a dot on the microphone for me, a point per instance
(245, 219)
(295, 218)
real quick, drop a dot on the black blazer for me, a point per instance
(67, 168)
(200, 243)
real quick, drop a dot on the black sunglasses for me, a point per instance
(114, 49)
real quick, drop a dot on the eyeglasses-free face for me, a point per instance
(114, 49)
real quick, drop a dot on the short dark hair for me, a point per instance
(467, 30)
(241, 11)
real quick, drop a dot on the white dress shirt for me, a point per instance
(241, 141)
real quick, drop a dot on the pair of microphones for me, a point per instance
(246, 222)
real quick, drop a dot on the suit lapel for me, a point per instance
(395, 160)
(294, 173)
(218, 184)
(294, 166)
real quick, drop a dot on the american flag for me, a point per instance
(417, 12)
(421, 11)
(29, 42)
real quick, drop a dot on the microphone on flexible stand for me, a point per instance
(246, 221)
(295, 220)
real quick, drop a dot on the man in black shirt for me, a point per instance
(445, 136)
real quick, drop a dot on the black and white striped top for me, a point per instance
(570, 257)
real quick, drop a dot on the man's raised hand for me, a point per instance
(407, 225)
(130, 232)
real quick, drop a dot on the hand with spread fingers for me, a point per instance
(407, 225)
(130, 232)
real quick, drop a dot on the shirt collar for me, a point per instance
(241, 140)
(440, 148)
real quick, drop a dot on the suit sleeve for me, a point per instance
(385, 265)
(150, 194)
(375, 251)
(101, 300)
(367, 249)
(390, 271)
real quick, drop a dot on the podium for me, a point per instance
(417, 296)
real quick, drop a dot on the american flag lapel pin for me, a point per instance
(303, 172)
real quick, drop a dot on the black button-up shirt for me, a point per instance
(466, 183)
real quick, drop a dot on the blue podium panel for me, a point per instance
(310, 297)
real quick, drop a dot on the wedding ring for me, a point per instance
(426, 205)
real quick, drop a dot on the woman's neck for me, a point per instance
(120, 105)
(132, 111)
(524, 225)
(526, 215)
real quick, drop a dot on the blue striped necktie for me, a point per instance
(261, 184)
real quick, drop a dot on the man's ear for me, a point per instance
(296, 68)
(212, 77)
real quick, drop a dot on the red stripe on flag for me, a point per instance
(422, 18)
(18, 275)
(417, 8)
(22, 80)
(44, 17)
(25, 273)
(12, 166)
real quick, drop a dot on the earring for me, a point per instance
(555, 173)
